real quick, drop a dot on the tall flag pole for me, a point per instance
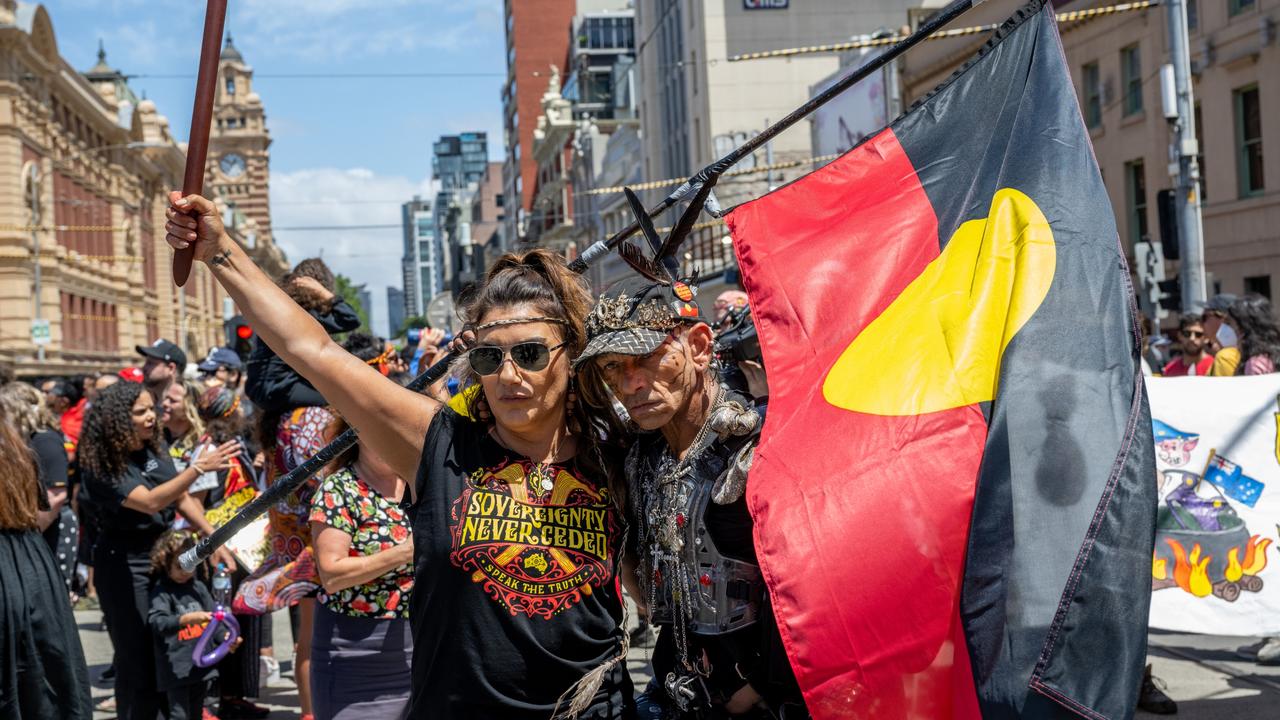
(201, 118)
(951, 300)
(935, 23)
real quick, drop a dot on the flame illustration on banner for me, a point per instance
(945, 335)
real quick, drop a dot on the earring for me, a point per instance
(571, 406)
(483, 413)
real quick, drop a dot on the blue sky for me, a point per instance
(344, 151)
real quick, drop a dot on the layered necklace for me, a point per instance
(665, 497)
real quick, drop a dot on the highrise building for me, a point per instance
(696, 106)
(395, 310)
(421, 259)
(576, 121)
(537, 38)
(458, 163)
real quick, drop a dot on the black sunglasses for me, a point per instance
(532, 355)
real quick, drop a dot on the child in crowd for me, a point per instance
(180, 610)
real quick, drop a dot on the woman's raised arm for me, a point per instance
(391, 419)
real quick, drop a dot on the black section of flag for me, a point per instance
(1058, 573)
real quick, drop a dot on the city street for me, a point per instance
(1202, 672)
(279, 695)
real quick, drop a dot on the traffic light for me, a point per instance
(1148, 265)
(1170, 294)
(239, 336)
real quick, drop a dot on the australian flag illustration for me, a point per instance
(1231, 480)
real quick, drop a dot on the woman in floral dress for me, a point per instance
(362, 645)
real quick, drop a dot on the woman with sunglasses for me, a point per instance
(516, 607)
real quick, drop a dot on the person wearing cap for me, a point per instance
(164, 363)
(222, 366)
(719, 652)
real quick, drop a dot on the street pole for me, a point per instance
(1183, 153)
(34, 188)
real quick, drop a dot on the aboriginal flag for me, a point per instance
(955, 491)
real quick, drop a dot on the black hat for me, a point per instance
(164, 350)
(634, 317)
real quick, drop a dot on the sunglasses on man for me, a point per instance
(531, 355)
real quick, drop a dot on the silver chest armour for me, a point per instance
(688, 576)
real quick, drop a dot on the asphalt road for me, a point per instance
(1201, 672)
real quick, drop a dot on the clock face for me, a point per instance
(232, 165)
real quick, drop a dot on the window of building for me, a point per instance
(693, 70)
(1235, 7)
(1249, 140)
(231, 86)
(1131, 79)
(1204, 185)
(1136, 200)
(1193, 14)
(1260, 284)
(1091, 79)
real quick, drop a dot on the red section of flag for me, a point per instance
(861, 520)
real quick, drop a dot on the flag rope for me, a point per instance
(1062, 17)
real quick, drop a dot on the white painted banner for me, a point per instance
(1216, 567)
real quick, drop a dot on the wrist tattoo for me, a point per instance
(222, 258)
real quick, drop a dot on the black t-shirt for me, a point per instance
(121, 527)
(51, 458)
(516, 594)
(175, 641)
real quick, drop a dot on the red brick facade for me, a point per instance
(537, 38)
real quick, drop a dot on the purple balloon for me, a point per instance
(221, 617)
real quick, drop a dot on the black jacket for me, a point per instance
(269, 381)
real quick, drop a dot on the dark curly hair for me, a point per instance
(315, 269)
(1258, 332)
(107, 438)
(168, 547)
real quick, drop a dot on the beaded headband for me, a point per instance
(520, 320)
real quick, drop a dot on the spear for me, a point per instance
(291, 480)
(201, 118)
(715, 169)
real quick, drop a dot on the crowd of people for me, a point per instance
(109, 477)
(467, 557)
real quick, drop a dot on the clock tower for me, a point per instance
(238, 170)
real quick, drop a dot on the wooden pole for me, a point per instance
(201, 118)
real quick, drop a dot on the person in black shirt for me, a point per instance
(135, 490)
(43, 670)
(59, 525)
(178, 613)
(516, 602)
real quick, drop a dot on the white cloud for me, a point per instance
(330, 197)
